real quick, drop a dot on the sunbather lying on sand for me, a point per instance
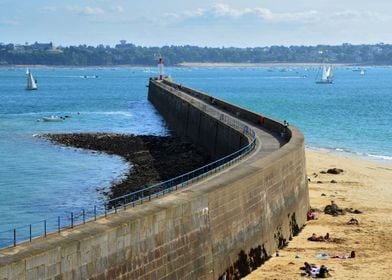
(353, 221)
(325, 238)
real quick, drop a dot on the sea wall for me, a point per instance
(232, 221)
(192, 122)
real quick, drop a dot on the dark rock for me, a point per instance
(333, 181)
(334, 210)
(334, 171)
(319, 182)
(323, 172)
(153, 158)
(354, 211)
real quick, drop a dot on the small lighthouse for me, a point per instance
(160, 68)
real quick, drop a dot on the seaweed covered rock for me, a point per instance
(334, 171)
(153, 158)
(333, 209)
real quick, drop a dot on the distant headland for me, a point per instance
(130, 54)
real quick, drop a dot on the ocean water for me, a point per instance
(352, 115)
(39, 180)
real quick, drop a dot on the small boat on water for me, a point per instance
(53, 119)
(31, 82)
(326, 76)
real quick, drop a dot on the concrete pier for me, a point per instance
(230, 221)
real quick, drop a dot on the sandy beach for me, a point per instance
(363, 185)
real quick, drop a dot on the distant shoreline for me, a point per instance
(277, 64)
(195, 64)
(74, 66)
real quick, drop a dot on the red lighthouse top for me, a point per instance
(160, 68)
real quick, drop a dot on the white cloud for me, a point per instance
(268, 15)
(224, 11)
(92, 11)
(360, 15)
(88, 11)
(95, 11)
(118, 9)
(199, 12)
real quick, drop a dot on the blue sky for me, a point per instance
(246, 23)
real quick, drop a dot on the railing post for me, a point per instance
(72, 220)
(95, 212)
(14, 237)
(45, 227)
(58, 224)
(84, 216)
(106, 212)
(30, 232)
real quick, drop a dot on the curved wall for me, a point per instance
(191, 120)
(241, 214)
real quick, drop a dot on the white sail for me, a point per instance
(31, 84)
(329, 72)
(326, 76)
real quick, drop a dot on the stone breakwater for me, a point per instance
(153, 159)
(228, 222)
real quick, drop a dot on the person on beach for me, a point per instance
(333, 209)
(310, 216)
(285, 124)
(307, 268)
(353, 221)
(345, 256)
(323, 272)
(314, 237)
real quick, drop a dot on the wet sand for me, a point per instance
(364, 185)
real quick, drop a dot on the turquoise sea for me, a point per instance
(39, 180)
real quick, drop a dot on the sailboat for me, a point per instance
(326, 76)
(31, 82)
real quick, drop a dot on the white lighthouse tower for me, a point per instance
(160, 68)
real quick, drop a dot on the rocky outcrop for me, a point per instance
(153, 158)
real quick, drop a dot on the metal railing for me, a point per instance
(27, 233)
